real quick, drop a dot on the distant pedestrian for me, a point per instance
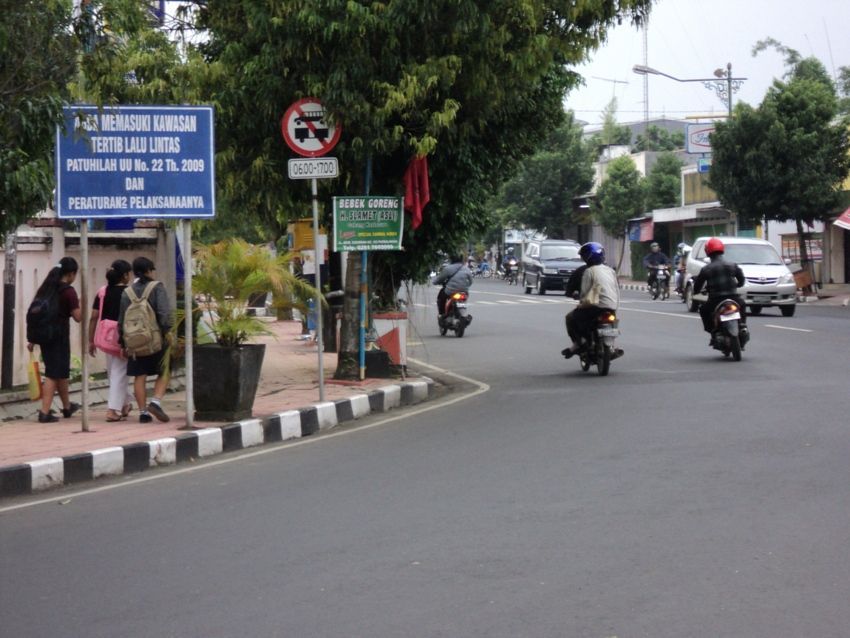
(103, 336)
(142, 366)
(49, 326)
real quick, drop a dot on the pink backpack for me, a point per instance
(106, 333)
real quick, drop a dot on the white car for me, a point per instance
(769, 280)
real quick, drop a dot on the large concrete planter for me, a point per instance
(225, 381)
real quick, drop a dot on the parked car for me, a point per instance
(769, 280)
(548, 263)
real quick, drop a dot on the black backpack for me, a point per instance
(43, 325)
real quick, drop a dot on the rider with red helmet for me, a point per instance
(722, 279)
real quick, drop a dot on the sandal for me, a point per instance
(114, 417)
(125, 411)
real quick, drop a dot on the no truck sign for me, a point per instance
(305, 131)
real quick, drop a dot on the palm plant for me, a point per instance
(229, 273)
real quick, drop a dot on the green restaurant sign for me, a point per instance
(367, 223)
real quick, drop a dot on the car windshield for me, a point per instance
(559, 252)
(757, 254)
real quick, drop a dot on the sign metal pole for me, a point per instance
(188, 318)
(84, 324)
(318, 304)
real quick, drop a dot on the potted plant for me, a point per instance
(227, 371)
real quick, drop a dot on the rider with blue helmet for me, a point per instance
(598, 285)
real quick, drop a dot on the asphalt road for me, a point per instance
(682, 495)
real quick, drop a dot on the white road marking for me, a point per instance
(769, 325)
(452, 399)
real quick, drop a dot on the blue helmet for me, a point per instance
(592, 253)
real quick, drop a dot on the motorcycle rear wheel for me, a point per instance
(654, 290)
(735, 345)
(603, 360)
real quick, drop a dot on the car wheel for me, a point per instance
(788, 311)
(525, 284)
(754, 310)
(541, 288)
(692, 305)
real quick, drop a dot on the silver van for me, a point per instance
(769, 280)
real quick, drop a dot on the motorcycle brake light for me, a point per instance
(609, 317)
(458, 296)
(730, 309)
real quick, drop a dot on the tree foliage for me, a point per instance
(611, 134)
(656, 138)
(540, 195)
(619, 198)
(785, 159)
(663, 186)
(38, 57)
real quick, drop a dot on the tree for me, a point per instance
(474, 85)
(786, 159)
(658, 139)
(619, 198)
(612, 133)
(38, 57)
(540, 195)
(663, 185)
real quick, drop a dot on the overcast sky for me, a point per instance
(692, 38)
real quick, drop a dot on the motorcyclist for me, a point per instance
(507, 268)
(680, 262)
(654, 259)
(454, 277)
(582, 320)
(722, 279)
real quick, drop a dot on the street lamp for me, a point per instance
(722, 83)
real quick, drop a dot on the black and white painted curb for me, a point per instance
(50, 473)
(638, 287)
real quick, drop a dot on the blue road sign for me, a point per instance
(135, 161)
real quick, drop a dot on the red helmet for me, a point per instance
(713, 246)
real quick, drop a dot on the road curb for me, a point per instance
(50, 473)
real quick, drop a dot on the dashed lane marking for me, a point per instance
(770, 325)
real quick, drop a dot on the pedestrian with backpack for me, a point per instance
(49, 327)
(103, 336)
(143, 323)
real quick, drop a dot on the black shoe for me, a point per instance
(144, 417)
(568, 352)
(69, 411)
(158, 412)
(47, 418)
(618, 352)
(468, 319)
(745, 335)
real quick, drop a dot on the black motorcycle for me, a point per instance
(660, 287)
(599, 349)
(456, 317)
(729, 336)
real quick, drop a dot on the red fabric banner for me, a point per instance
(646, 230)
(417, 193)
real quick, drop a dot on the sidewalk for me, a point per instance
(35, 456)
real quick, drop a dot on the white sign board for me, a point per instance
(697, 138)
(313, 168)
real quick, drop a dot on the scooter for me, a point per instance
(598, 349)
(511, 271)
(456, 317)
(729, 335)
(661, 286)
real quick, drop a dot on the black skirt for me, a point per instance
(57, 357)
(150, 365)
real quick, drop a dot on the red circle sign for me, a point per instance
(305, 130)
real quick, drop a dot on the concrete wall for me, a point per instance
(40, 248)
